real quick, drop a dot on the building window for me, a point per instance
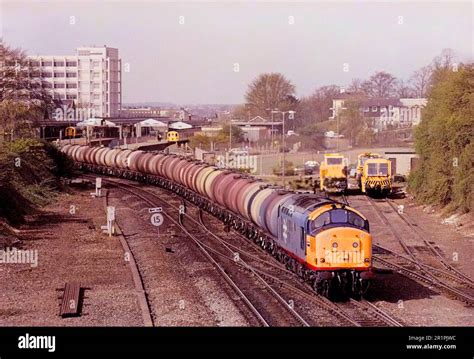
(46, 74)
(47, 63)
(47, 85)
(374, 108)
(95, 63)
(96, 97)
(366, 109)
(58, 86)
(34, 63)
(71, 63)
(96, 86)
(58, 63)
(71, 97)
(59, 74)
(96, 74)
(71, 86)
(71, 74)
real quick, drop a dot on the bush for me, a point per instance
(29, 176)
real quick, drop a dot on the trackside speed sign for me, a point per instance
(157, 219)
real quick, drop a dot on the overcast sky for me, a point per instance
(194, 62)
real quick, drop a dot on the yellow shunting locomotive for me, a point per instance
(333, 173)
(172, 136)
(374, 174)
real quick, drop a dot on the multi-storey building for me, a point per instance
(91, 79)
(382, 112)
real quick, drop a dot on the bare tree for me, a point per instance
(445, 60)
(356, 85)
(381, 84)
(404, 90)
(315, 108)
(420, 81)
(270, 91)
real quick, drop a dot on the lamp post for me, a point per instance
(273, 111)
(230, 135)
(291, 117)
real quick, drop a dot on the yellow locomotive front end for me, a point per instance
(333, 173)
(340, 249)
(172, 136)
(376, 177)
(361, 161)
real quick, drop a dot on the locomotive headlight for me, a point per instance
(334, 245)
(355, 244)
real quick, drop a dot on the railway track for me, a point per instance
(225, 264)
(413, 267)
(355, 313)
(352, 312)
(454, 271)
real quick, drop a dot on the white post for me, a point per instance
(109, 228)
(111, 220)
(98, 187)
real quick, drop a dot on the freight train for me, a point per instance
(325, 242)
(374, 175)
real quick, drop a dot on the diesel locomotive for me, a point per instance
(325, 242)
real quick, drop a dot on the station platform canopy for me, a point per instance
(150, 122)
(95, 122)
(180, 125)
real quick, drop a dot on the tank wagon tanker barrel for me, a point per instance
(325, 242)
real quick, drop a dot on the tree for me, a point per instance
(444, 141)
(315, 108)
(445, 60)
(403, 90)
(381, 84)
(420, 81)
(241, 112)
(270, 91)
(351, 120)
(24, 99)
(237, 133)
(356, 85)
(442, 65)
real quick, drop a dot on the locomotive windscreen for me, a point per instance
(337, 216)
(334, 161)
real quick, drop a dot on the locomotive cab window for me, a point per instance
(334, 161)
(320, 221)
(372, 169)
(337, 216)
(383, 169)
